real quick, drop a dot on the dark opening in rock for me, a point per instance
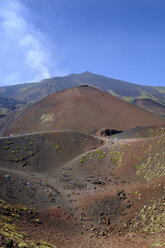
(107, 132)
(84, 85)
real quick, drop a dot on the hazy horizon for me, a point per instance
(79, 74)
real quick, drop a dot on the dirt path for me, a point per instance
(66, 199)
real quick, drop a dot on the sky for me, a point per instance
(122, 39)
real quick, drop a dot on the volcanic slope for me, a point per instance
(24, 94)
(85, 109)
(83, 187)
(35, 91)
(150, 105)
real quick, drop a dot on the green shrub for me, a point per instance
(101, 157)
(23, 245)
(9, 142)
(58, 147)
(6, 147)
(37, 221)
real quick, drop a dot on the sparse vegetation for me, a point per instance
(158, 244)
(153, 165)
(116, 156)
(9, 230)
(151, 217)
(140, 208)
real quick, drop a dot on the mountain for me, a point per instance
(84, 109)
(32, 92)
(8, 105)
(150, 105)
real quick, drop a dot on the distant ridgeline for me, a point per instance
(13, 98)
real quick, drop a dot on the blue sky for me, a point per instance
(123, 39)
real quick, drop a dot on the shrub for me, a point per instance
(101, 157)
(9, 142)
(6, 147)
(58, 147)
